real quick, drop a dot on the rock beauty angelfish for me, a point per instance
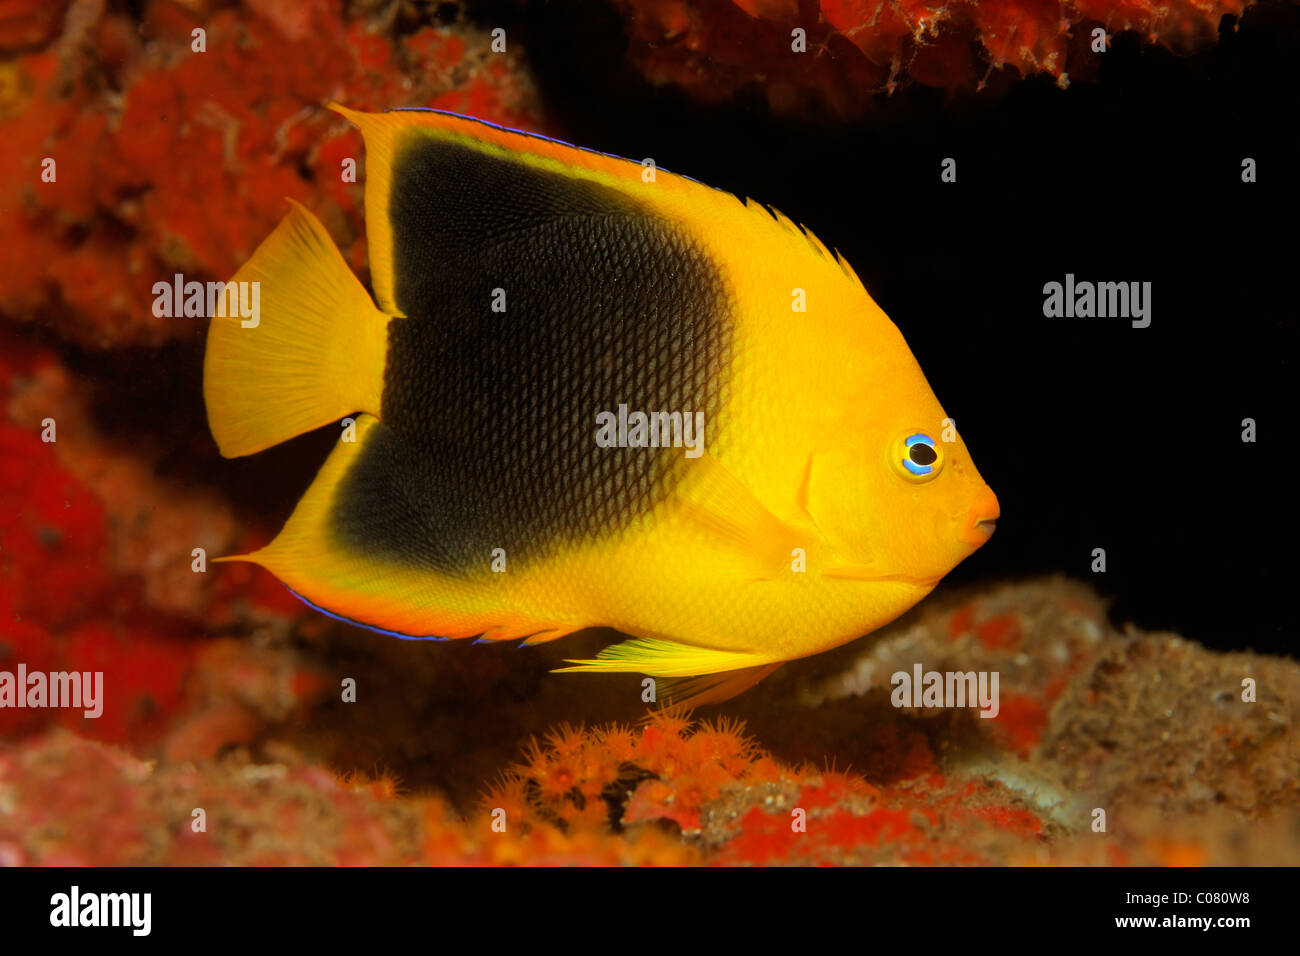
(592, 394)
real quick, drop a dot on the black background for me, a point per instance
(1092, 433)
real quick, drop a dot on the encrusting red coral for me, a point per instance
(716, 788)
(269, 814)
(96, 576)
(619, 776)
(83, 241)
(851, 50)
(669, 792)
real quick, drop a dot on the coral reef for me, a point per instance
(854, 49)
(163, 165)
(1149, 728)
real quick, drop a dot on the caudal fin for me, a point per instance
(314, 352)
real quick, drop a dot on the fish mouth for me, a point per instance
(981, 521)
(976, 531)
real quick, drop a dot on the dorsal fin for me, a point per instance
(461, 151)
(455, 178)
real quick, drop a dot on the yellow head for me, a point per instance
(893, 490)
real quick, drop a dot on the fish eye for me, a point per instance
(917, 457)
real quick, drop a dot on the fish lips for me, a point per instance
(981, 521)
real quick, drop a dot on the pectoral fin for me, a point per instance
(745, 533)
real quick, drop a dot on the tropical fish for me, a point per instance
(592, 393)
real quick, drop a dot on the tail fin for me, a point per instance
(313, 353)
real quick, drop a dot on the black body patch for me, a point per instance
(489, 418)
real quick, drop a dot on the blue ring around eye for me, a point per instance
(918, 470)
(924, 439)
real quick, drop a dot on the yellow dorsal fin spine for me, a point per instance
(798, 229)
(313, 353)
